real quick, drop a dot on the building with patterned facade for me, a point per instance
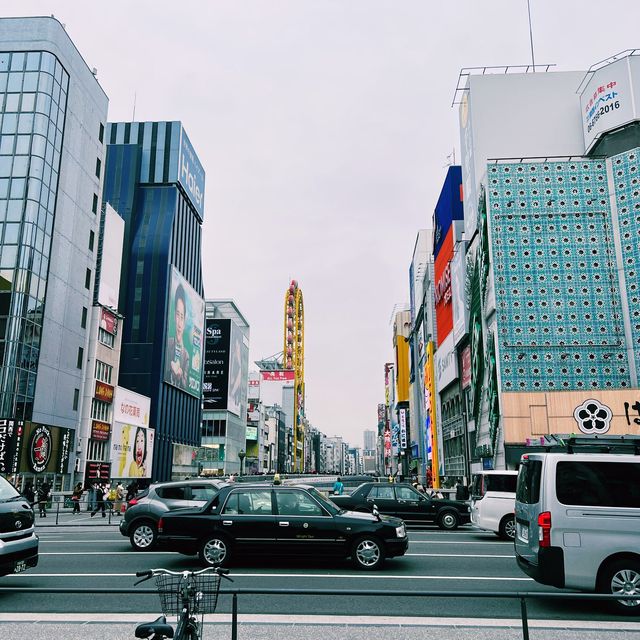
(51, 168)
(553, 248)
(153, 178)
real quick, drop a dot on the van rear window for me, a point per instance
(528, 486)
(598, 484)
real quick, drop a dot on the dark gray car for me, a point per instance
(140, 522)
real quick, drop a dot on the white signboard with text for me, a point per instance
(445, 363)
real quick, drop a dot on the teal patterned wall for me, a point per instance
(559, 323)
(626, 178)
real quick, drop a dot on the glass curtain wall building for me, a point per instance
(155, 181)
(52, 112)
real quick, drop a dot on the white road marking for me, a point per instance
(457, 555)
(455, 542)
(349, 576)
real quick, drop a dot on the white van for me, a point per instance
(578, 520)
(493, 498)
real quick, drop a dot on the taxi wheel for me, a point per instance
(215, 551)
(367, 553)
(448, 520)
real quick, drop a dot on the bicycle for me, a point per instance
(189, 594)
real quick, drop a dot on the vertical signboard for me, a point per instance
(403, 429)
(468, 167)
(215, 385)
(431, 431)
(238, 372)
(460, 309)
(442, 292)
(191, 174)
(185, 329)
(11, 437)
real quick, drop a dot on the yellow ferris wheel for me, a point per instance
(294, 360)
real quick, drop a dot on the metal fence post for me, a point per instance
(234, 617)
(525, 620)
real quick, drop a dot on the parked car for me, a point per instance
(281, 520)
(140, 521)
(18, 539)
(578, 522)
(493, 502)
(403, 501)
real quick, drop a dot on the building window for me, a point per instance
(87, 279)
(104, 372)
(101, 133)
(76, 399)
(83, 320)
(98, 167)
(80, 357)
(98, 451)
(94, 206)
(105, 338)
(92, 237)
(100, 410)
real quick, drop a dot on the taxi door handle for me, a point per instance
(227, 522)
(283, 523)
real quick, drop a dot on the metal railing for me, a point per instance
(64, 507)
(522, 596)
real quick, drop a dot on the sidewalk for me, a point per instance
(82, 627)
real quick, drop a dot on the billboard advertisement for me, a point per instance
(45, 449)
(191, 174)
(131, 451)
(185, 332)
(460, 309)
(607, 100)
(445, 364)
(11, 438)
(215, 382)
(448, 207)
(431, 431)
(112, 241)
(238, 372)
(468, 167)
(130, 407)
(443, 292)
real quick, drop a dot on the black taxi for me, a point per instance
(281, 520)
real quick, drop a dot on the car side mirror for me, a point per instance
(375, 512)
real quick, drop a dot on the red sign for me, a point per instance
(444, 306)
(104, 392)
(282, 375)
(466, 367)
(109, 322)
(100, 430)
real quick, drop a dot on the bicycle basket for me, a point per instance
(201, 591)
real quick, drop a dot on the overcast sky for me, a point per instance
(324, 127)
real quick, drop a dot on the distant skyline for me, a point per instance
(325, 130)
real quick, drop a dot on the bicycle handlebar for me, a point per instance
(149, 573)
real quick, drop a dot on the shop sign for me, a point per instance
(40, 448)
(98, 470)
(446, 364)
(593, 417)
(403, 429)
(11, 435)
(64, 447)
(100, 430)
(104, 392)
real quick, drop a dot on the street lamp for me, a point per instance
(241, 454)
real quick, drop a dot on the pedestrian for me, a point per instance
(338, 487)
(112, 496)
(75, 498)
(120, 494)
(100, 490)
(29, 493)
(132, 491)
(43, 497)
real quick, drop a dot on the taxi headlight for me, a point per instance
(401, 531)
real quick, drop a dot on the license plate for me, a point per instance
(524, 532)
(20, 566)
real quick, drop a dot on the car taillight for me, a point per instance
(160, 525)
(544, 525)
(132, 502)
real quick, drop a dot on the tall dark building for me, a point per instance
(154, 179)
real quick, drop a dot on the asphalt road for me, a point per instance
(463, 560)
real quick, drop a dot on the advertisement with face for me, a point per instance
(185, 330)
(131, 451)
(238, 372)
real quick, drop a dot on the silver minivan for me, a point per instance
(578, 522)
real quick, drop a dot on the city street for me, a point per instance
(462, 560)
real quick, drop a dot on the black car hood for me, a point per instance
(369, 517)
(460, 505)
